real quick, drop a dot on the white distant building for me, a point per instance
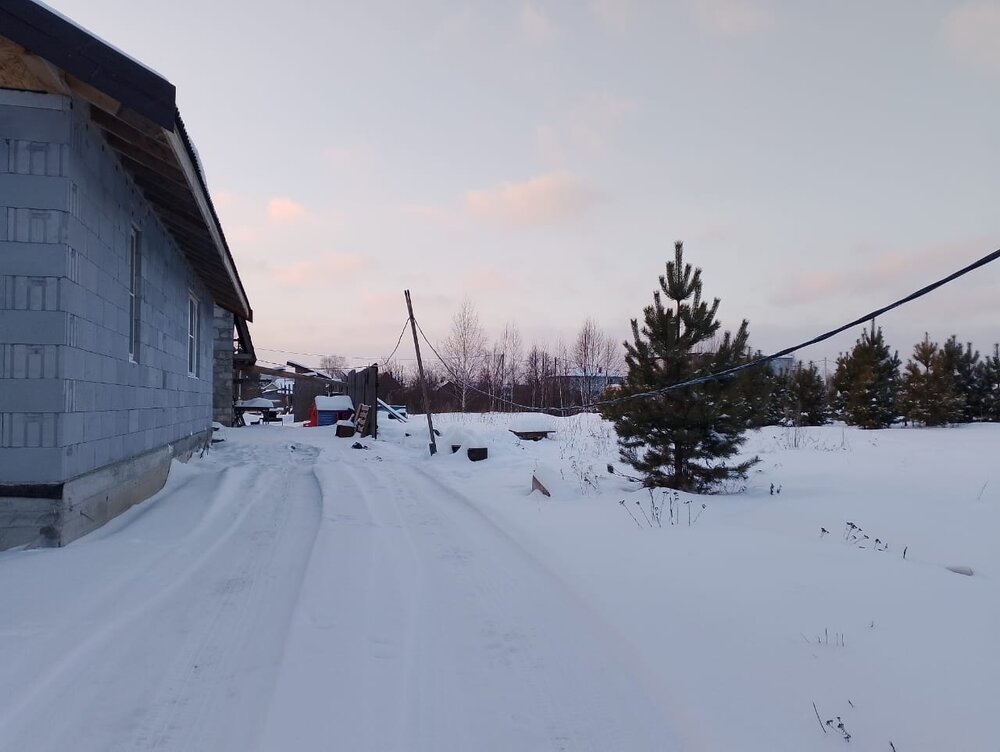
(782, 366)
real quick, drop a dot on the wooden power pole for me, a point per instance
(420, 369)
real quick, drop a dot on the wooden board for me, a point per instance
(361, 420)
(531, 435)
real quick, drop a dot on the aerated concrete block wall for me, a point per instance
(71, 400)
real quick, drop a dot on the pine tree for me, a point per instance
(961, 364)
(685, 438)
(840, 386)
(761, 393)
(866, 382)
(806, 397)
(778, 406)
(929, 394)
(991, 386)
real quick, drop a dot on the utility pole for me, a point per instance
(420, 370)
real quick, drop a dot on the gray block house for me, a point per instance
(120, 302)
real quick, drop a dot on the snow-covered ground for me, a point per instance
(288, 592)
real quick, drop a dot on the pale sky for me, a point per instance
(817, 159)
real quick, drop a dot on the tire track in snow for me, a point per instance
(65, 648)
(484, 648)
(484, 653)
(191, 691)
(346, 677)
(179, 647)
(666, 702)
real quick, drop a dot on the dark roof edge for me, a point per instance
(203, 185)
(48, 34)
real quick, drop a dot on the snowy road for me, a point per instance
(278, 596)
(423, 627)
(164, 629)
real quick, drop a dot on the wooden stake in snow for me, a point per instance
(537, 485)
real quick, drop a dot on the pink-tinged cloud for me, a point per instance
(434, 215)
(223, 199)
(338, 157)
(733, 18)
(486, 279)
(535, 24)
(541, 200)
(893, 273)
(282, 209)
(328, 271)
(971, 33)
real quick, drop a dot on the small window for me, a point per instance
(134, 297)
(194, 340)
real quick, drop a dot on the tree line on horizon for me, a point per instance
(477, 375)
(690, 438)
(870, 387)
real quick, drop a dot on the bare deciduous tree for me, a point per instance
(534, 374)
(465, 349)
(506, 362)
(333, 365)
(597, 358)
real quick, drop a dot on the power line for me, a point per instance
(474, 388)
(348, 357)
(401, 333)
(290, 352)
(363, 358)
(988, 258)
(729, 372)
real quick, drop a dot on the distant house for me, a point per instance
(587, 385)
(279, 390)
(122, 315)
(781, 366)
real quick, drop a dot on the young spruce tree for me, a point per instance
(764, 394)
(807, 397)
(685, 438)
(962, 365)
(866, 382)
(929, 394)
(991, 386)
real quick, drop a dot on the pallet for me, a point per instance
(361, 419)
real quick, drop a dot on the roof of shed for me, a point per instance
(41, 50)
(337, 402)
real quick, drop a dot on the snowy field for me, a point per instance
(288, 592)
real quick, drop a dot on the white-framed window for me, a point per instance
(194, 336)
(134, 293)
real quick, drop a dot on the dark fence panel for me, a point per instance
(362, 387)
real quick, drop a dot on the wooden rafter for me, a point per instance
(140, 140)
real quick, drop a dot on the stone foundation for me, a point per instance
(57, 514)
